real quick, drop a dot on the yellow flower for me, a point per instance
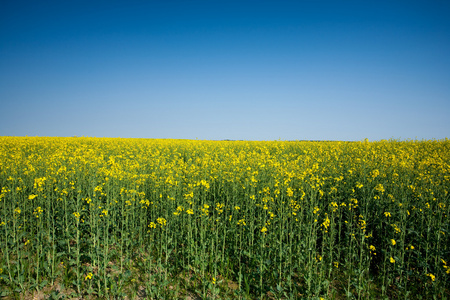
(161, 221)
(375, 173)
(431, 276)
(38, 211)
(326, 223)
(219, 207)
(241, 222)
(336, 264)
(179, 210)
(387, 214)
(379, 188)
(334, 205)
(392, 260)
(264, 229)
(447, 268)
(290, 192)
(397, 230)
(393, 242)
(32, 196)
(88, 276)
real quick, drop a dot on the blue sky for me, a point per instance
(253, 70)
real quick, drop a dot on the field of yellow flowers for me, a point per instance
(177, 219)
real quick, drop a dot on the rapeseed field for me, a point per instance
(188, 219)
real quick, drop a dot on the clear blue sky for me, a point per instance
(254, 70)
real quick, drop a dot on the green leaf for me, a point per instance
(43, 283)
(4, 293)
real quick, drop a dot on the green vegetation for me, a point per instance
(170, 219)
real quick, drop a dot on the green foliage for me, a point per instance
(167, 219)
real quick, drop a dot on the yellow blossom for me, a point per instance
(431, 276)
(37, 211)
(161, 221)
